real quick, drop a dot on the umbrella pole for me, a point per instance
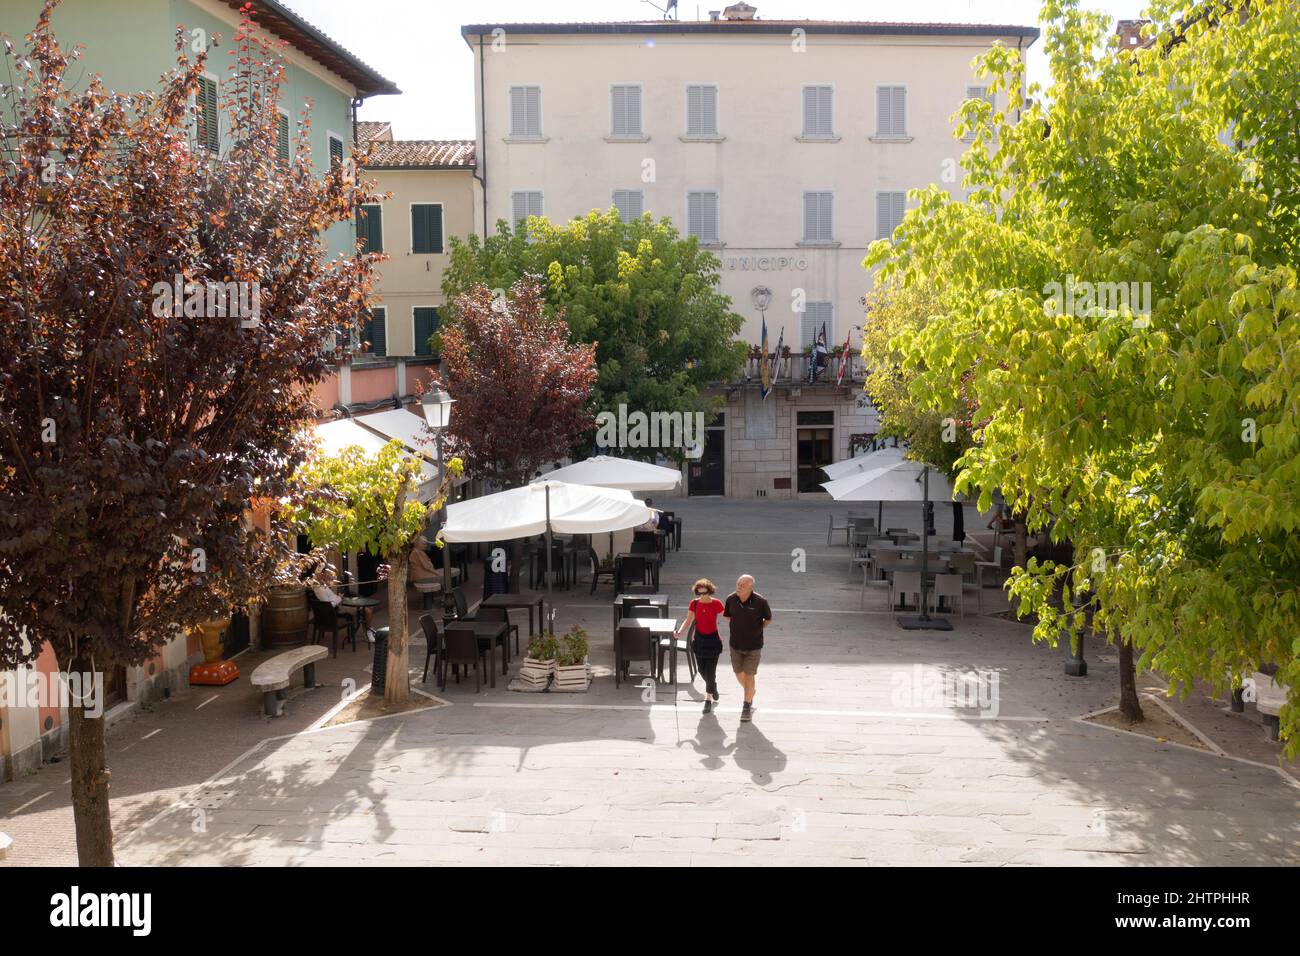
(550, 620)
(923, 621)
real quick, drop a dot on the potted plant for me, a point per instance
(571, 671)
(539, 662)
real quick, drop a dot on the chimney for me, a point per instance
(739, 11)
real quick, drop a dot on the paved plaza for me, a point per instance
(849, 759)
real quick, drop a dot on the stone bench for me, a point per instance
(272, 677)
(1269, 698)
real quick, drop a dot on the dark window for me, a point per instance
(426, 227)
(336, 151)
(375, 332)
(426, 323)
(816, 418)
(205, 102)
(370, 227)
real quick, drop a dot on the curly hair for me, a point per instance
(704, 583)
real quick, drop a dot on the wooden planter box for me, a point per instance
(575, 678)
(534, 675)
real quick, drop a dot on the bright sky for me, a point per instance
(417, 43)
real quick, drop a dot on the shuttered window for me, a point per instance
(524, 203)
(207, 123)
(282, 149)
(889, 212)
(701, 110)
(980, 93)
(630, 203)
(891, 111)
(818, 216)
(426, 323)
(370, 227)
(336, 151)
(702, 215)
(526, 111)
(426, 227)
(625, 110)
(375, 333)
(818, 112)
(815, 314)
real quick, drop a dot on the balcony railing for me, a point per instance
(795, 366)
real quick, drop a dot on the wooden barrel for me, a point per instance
(284, 618)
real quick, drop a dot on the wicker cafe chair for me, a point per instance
(327, 620)
(460, 646)
(499, 614)
(632, 643)
(433, 643)
(597, 572)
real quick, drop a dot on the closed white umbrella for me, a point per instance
(902, 481)
(543, 507)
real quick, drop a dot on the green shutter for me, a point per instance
(205, 102)
(282, 152)
(426, 323)
(376, 333)
(426, 228)
(370, 227)
(336, 151)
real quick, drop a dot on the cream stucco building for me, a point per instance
(785, 146)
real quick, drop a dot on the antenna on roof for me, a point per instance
(669, 11)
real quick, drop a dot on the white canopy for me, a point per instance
(519, 512)
(409, 428)
(333, 437)
(605, 471)
(900, 481)
(865, 462)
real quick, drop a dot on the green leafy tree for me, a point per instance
(1156, 431)
(353, 502)
(644, 296)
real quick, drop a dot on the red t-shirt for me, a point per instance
(706, 615)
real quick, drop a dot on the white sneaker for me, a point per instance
(370, 634)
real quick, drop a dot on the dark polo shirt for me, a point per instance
(746, 619)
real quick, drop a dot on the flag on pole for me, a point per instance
(778, 360)
(762, 363)
(820, 356)
(846, 357)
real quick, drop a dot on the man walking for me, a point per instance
(747, 613)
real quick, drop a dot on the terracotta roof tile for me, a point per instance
(422, 153)
(368, 131)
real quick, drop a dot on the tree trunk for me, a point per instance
(397, 686)
(1129, 706)
(88, 752)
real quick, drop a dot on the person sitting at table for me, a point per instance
(653, 523)
(422, 568)
(326, 595)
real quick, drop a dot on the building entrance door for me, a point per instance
(816, 440)
(707, 476)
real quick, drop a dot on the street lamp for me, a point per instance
(436, 405)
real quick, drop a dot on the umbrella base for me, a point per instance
(918, 623)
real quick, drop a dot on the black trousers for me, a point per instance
(709, 671)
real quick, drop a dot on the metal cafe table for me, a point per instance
(509, 601)
(652, 600)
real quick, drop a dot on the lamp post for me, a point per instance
(436, 405)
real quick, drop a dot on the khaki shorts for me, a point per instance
(745, 662)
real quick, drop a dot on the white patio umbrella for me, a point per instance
(903, 480)
(606, 471)
(864, 462)
(543, 507)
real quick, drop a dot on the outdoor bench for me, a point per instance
(272, 677)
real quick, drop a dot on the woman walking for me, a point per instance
(704, 611)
